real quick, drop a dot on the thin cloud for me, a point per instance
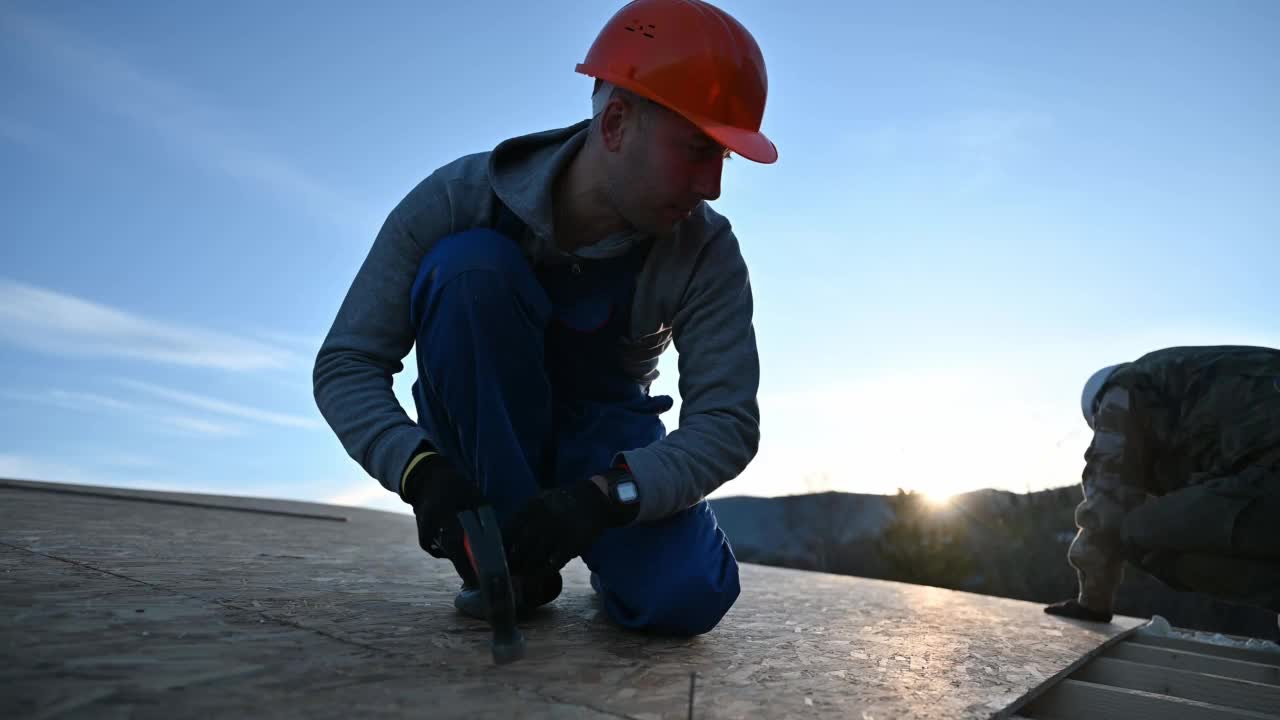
(27, 467)
(15, 466)
(31, 138)
(158, 419)
(306, 344)
(75, 400)
(201, 426)
(62, 324)
(131, 461)
(969, 149)
(204, 402)
(164, 107)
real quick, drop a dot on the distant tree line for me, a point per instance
(998, 543)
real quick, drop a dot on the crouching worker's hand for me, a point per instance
(437, 493)
(562, 523)
(1072, 609)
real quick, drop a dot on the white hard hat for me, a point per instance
(1092, 389)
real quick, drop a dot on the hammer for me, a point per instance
(483, 542)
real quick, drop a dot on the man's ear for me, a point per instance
(625, 114)
(615, 121)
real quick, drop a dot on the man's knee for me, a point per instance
(1231, 578)
(687, 604)
(1257, 533)
(480, 251)
(1194, 519)
(1138, 536)
(475, 249)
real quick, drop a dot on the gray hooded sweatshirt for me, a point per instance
(693, 290)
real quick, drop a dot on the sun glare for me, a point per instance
(937, 498)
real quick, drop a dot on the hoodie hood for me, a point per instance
(522, 172)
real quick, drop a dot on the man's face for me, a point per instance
(663, 167)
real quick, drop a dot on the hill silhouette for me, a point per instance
(991, 542)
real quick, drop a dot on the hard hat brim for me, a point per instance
(750, 144)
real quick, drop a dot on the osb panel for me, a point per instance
(289, 616)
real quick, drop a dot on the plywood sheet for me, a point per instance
(246, 612)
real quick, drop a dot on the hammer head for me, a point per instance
(483, 542)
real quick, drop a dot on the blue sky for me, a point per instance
(976, 205)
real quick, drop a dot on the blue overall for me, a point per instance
(519, 383)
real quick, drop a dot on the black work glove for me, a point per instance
(1072, 609)
(438, 493)
(560, 524)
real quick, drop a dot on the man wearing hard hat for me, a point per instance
(1182, 477)
(540, 282)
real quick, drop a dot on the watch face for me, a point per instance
(627, 491)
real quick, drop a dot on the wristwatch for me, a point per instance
(622, 487)
(624, 495)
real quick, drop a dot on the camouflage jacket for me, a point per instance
(1173, 418)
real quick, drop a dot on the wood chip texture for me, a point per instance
(110, 607)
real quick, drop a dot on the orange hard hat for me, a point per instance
(694, 59)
